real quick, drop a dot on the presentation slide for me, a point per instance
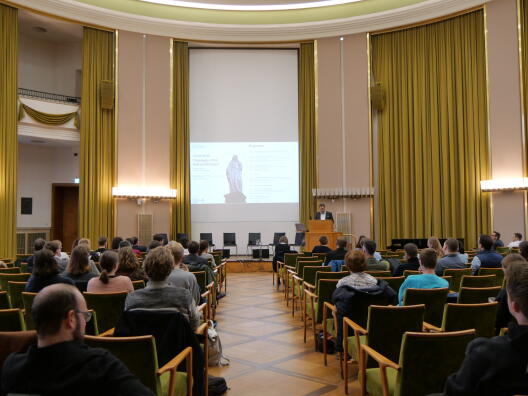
(245, 172)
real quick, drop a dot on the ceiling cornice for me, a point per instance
(89, 14)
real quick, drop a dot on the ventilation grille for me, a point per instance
(26, 240)
(344, 225)
(144, 228)
(21, 243)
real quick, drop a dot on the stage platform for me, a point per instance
(248, 264)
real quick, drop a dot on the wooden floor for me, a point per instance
(265, 345)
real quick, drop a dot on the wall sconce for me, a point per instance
(143, 192)
(348, 192)
(511, 184)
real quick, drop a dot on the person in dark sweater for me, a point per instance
(60, 364)
(37, 245)
(413, 263)
(497, 366)
(45, 272)
(322, 248)
(339, 253)
(504, 317)
(487, 258)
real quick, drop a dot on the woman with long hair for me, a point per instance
(45, 272)
(434, 243)
(108, 281)
(79, 268)
(129, 264)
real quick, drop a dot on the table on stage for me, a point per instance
(318, 228)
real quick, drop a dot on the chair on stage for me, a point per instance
(253, 240)
(207, 236)
(181, 236)
(299, 239)
(230, 241)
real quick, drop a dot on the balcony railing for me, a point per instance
(30, 93)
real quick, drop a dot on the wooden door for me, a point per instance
(65, 214)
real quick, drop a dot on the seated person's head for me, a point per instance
(369, 247)
(44, 263)
(283, 239)
(129, 240)
(108, 262)
(134, 240)
(341, 243)
(451, 246)
(177, 252)
(523, 249)
(428, 259)
(517, 288)
(153, 244)
(59, 314)
(323, 240)
(125, 243)
(485, 242)
(158, 264)
(53, 246)
(161, 238)
(115, 242)
(184, 242)
(80, 261)
(102, 242)
(356, 261)
(38, 244)
(193, 247)
(85, 241)
(510, 258)
(204, 246)
(517, 236)
(411, 250)
(361, 240)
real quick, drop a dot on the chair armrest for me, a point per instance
(309, 285)
(289, 267)
(108, 333)
(430, 327)
(310, 294)
(200, 308)
(297, 278)
(357, 328)
(171, 366)
(202, 329)
(378, 357)
(329, 306)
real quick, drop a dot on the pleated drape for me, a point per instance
(523, 19)
(47, 118)
(97, 137)
(307, 132)
(8, 130)
(180, 142)
(433, 134)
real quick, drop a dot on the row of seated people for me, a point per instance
(478, 374)
(59, 312)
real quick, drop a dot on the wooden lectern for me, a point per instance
(318, 228)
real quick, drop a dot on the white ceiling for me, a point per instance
(56, 29)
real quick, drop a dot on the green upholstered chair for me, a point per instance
(91, 327)
(10, 270)
(477, 295)
(12, 320)
(502, 249)
(434, 300)
(108, 306)
(321, 256)
(478, 281)
(27, 302)
(394, 282)
(385, 328)
(4, 278)
(313, 306)
(4, 300)
(310, 272)
(426, 359)
(138, 284)
(201, 278)
(24, 267)
(14, 290)
(456, 275)
(498, 272)
(207, 291)
(406, 273)
(480, 317)
(294, 283)
(139, 355)
(290, 259)
(378, 274)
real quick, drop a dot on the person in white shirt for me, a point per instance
(517, 239)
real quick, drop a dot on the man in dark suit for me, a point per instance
(323, 214)
(339, 253)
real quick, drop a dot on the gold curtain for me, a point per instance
(433, 134)
(307, 135)
(523, 16)
(8, 130)
(97, 137)
(48, 119)
(180, 141)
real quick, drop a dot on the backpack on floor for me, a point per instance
(216, 385)
(214, 348)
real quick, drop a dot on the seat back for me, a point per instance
(394, 282)
(290, 259)
(406, 273)
(480, 317)
(379, 273)
(478, 281)
(254, 238)
(434, 300)
(27, 302)
(427, 359)
(201, 278)
(276, 237)
(310, 271)
(477, 295)
(11, 270)
(456, 275)
(328, 275)
(15, 342)
(109, 307)
(387, 325)
(12, 320)
(4, 300)
(4, 278)
(498, 272)
(138, 284)
(229, 239)
(301, 264)
(325, 289)
(24, 267)
(14, 290)
(137, 353)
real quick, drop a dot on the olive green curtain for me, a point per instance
(523, 16)
(97, 138)
(48, 119)
(433, 134)
(180, 141)
(307, 132)
(8, 130)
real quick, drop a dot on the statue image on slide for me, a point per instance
(234, 178)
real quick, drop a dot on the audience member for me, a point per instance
(498, 366)
(101, 248)
(60, 364)
(452, 259)
(45, 272)
(427, 279)
(463, 255)
(108, 281)
(129, 264)
(356, 263)
(185, 242)
(79, 269)
(322, 247)
(504, 316)
(339, 253)
(74, 244)
(487, 257)
(359, 246)
(369, 248)
(37, 245)
(54, 246)
(180, 276)
(412, 264)
(495, 236)
(94, 256)
(523, 249)
(281, 248)
(204, 252)
(153, 245)
(434, 243)
(159, 293)
(137, 246)
(162, 238)
(115, 243)
(517, 239)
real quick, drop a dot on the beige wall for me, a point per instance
(143, 126)
(505, 113)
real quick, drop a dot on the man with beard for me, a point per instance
(60, 363)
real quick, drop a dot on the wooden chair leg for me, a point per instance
(314, 328)
(341, 364)
(345, 355)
